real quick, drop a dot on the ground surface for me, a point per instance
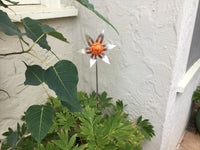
(191, 141)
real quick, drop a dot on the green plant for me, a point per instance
(93, 128)
(146, 128)
(196, 99)
(196, 95)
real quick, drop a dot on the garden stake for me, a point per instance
(97, 83)
(96, 49)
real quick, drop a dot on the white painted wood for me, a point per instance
(40, 12)
(51, 3)
(188, 76)
(25, 2)
(47, 3)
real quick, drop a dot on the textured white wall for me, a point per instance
(178, 107)
(144, 69)
(150, 59)
(142, 63)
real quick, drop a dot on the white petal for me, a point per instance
(110, 46)
(102, 32)
(105, 59)
(82, 51)
(92, 62)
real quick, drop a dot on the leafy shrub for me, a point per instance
(196, 109)
(101, 125)
(196, 95)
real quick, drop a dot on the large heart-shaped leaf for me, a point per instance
(63, 79)
(39, 119)
(52, 32)
(7, 26)
(34, 31)
(90, 6)
(34, 75)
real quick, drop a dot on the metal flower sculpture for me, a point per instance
(96, 49)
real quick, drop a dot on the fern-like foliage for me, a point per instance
(94, 128)
(146, 128)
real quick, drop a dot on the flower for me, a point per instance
(96, 49)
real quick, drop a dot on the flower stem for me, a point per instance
(97, 83)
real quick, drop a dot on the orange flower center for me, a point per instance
(96, 48)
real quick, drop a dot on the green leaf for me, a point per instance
(66, 120)
(39, 121)
(145, 128)
(49, 146)
(12, 140)
(7, 26)
(90, 6)
(104, 100)
(51, 31)
(2, 4)
(63, 79)
(72, 141)
(34, 75)
(63, 143)
(5, 92)
(8, 133)
(12, 2)
(34, 31)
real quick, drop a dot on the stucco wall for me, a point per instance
(144, 69)
(178, 107)
(148, 63)
(142, 63)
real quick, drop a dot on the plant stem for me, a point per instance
(39, 59)
(38, 146)
(97, 83)
(36, 41)
(21, 44)
(52, 103)
(14, 53)
(27, 51)
(55, 55)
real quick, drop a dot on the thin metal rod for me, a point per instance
(97, 83)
